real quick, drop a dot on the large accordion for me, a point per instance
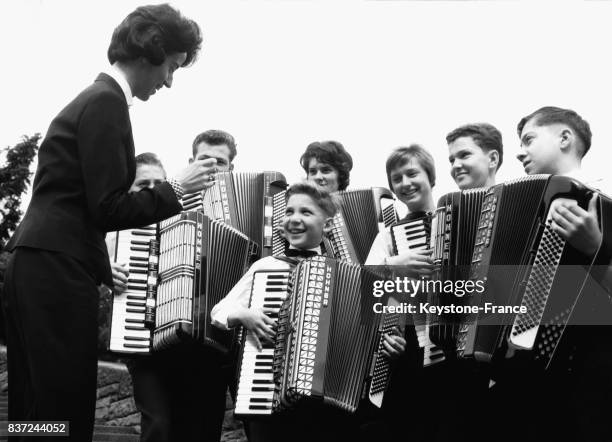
(328, 344)
(453, 233)
(177, 272)
(426, 231)
(362, 214)
(251, 202)
(523, 262)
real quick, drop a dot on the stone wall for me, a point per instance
(115, 403)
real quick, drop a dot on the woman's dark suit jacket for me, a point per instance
(86, 165)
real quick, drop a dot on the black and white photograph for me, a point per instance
(271, 220)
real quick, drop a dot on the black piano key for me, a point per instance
(140, 242)
(126, 345)
(134, 265)
(272, 306)
(136, 287)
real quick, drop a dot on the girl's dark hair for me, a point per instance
(332, 153)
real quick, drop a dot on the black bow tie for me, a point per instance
(301, 253)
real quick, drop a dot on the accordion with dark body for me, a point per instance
(449, 233)
(362, 214)
(328, 344)
(251, 202)
(519, 257)
(453, 234)
(177, 274)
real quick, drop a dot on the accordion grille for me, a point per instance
(525, 327)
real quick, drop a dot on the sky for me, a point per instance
(373, 75)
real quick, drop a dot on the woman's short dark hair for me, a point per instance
(332, 153)
(153, 32)
(402, 155)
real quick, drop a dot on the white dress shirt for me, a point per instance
(117, 74)
(240, 294)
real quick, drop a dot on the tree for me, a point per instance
(14, 179)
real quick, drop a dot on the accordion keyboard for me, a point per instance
(256, 380)
(413, 235)
(128, 330)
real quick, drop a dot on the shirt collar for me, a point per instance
(578, 174)
(119, 76)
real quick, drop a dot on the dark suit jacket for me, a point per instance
(85, 167)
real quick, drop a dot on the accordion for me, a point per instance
(253, 203)
(554, 299)
(328, 344)
(178, 272)
(453, 233)
(355, 226)
(518, 256)
(414, 233)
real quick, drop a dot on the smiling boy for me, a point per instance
(308, 216)
(475, 153)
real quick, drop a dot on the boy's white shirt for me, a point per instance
(240, 294)
(599, 183)
(381, 248)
